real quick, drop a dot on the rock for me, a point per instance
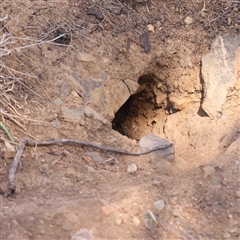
(238, 194)
(150, 28)
(208, 170)
(178, 102)
(89, 112)
(188, 20)
(82, 234)
(136, 221)
(116, 98)
(160, 204)
(233, 230)
(176, 213)
(160, 96)
(112, 8)
(118, 219)
(76, 115)
(151, 141)
(108, 209)
(132, 86)
(132, 168)
(58, 101)
(9, 154)
(94, 157)
(226, 235)
(219, 72)
(85, 57)
(97, 14)
(9, 146)
(65, 89)
(222, 200)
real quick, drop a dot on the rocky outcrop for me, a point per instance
(219, 72)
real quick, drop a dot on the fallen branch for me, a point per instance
(60, 142)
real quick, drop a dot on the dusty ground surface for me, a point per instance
(59, 191)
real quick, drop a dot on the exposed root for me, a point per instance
(60, 142)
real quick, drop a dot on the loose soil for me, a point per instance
(59, 190)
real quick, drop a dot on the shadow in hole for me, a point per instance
(201, 112)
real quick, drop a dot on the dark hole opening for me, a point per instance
(144, 112)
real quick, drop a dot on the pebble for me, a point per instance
(65, 89)
(132, 168)
(76, 114)
(226, 235)
(188, 20)
(82, 234)
(112, 8)
(233, 230)
(238, 194)
(176, 213)
(118, 219)
(222, 200)
(208, 170)
(58, 101)
(108, 209)
(85, 57)
(136, 221)
(94, 157)
(160, 204)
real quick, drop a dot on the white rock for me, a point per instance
(160, 204)
(188, 20)
(136, 221)
(132, 168)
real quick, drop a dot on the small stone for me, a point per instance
(238, 194)
(136, 221)
(230, 216)
(89, 112)
(188, 20)
(233, 230)
(82, 234)
(224, 182)
(85, 57)
(9, 146)
(9, 154)
(94, 157)
(118, 219)
(76, 115)
(151, 141)
(222, 200)
(179, 103)
(132, 168)
(65, 89)
(112, 8)
(226, 235)
(108, 209)
(208, 170)
(176, 213)
(160, 204)
(45, 167)
(58, 101)
(150, 28)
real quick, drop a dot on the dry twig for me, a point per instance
(60, 142)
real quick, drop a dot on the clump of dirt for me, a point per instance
(98, 69)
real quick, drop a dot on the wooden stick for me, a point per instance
(60, 142)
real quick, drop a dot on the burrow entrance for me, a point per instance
(145, 111)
